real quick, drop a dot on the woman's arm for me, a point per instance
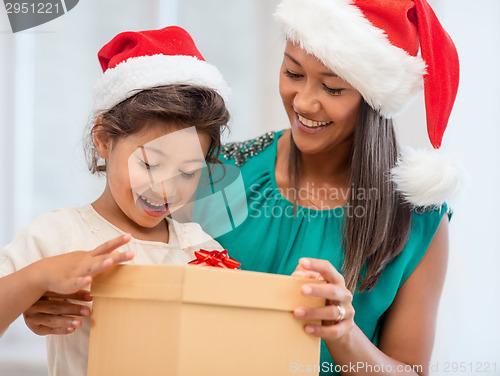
(407, 335)
(64, 274)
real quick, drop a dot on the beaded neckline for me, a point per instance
(242, 150)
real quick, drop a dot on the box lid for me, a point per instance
(204, 285)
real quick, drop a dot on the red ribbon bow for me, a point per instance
(215, 258)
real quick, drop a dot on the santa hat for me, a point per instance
(374, 45)
(134, 61)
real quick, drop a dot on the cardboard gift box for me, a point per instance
(185, 320)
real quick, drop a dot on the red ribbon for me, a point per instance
(215, 258)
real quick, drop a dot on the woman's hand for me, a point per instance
(338, 315)
(65, 277)
(54, 314)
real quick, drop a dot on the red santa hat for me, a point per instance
(134, 61)
(374, 45)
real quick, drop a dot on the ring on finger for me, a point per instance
(341, 315)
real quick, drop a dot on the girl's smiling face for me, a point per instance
(322, 107)
(153, 173)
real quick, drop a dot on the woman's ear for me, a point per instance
(102, 140)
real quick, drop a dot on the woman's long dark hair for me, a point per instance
(381, 231)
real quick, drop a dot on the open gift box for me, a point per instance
(185, 320)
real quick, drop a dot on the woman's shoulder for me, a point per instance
(430, 217)
(424, 224)
(241, 152)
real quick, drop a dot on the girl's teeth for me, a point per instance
(312, 123)
(149, 202)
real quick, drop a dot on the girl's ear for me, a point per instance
(102, 141)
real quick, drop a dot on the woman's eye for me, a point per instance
(331, 91)
(291, 75)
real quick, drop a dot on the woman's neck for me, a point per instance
(324, 177)
(328, 167)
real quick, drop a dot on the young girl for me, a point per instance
(159, 111)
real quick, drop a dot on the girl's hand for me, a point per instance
(338, 315)
(68, 273)
(53, 314)
(65, 277)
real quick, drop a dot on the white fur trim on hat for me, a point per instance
(144, 72)
(427, 178)
(338, 34)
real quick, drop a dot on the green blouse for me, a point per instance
(272, 238)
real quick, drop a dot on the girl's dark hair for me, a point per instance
(374, 238)
(179, 105)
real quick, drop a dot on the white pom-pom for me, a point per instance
(427, 178)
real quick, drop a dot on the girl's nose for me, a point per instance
(166, 188)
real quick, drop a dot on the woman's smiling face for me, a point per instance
(322, 107)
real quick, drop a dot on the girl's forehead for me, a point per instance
(183, 143)
(158, 132)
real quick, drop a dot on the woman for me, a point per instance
(321, 192)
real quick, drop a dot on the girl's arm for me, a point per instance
(407, 335)
(63, 274)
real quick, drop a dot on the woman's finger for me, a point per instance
(111, 245)
(326, 313)
(52, 321)
(83, 295)
(325, 268)
(307, 274)
(43, 330)
(329, 291)
(55, 307)
(328, 331)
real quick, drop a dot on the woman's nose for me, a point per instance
(306, 100)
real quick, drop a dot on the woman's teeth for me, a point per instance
(312, 123)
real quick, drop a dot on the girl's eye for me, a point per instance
(331, 91)
(291, 75)
(147, 165)
(188, 175)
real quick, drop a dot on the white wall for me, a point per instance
(468, 327)
(46, 76)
